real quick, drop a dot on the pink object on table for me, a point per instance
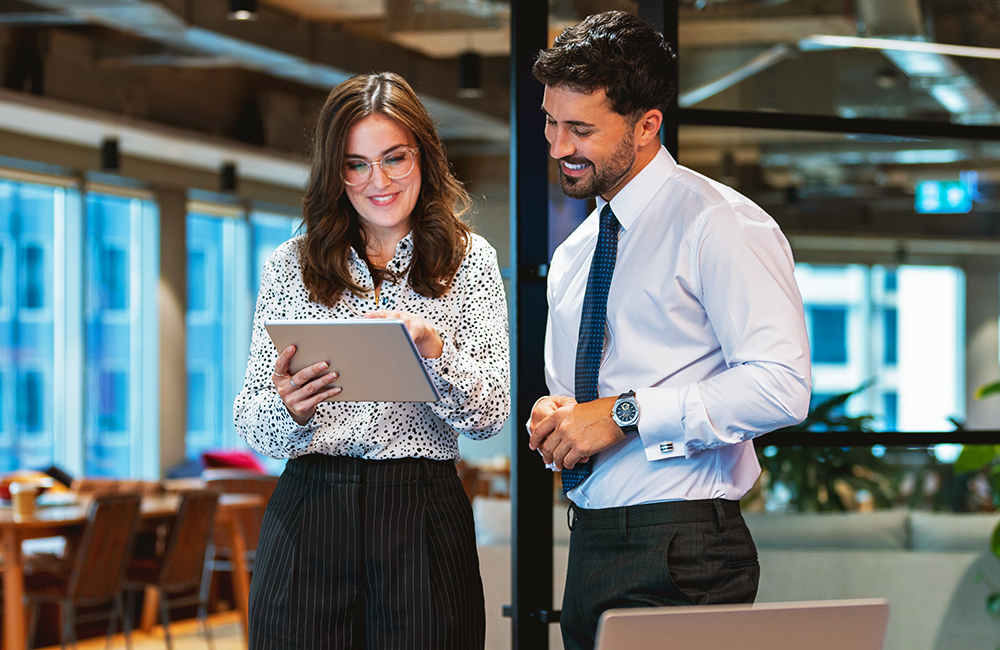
(231, 460)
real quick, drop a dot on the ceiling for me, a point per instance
(181, 64)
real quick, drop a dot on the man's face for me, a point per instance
(594, 145)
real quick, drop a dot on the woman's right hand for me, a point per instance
(304, 390)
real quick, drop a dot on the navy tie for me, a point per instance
(590, 344)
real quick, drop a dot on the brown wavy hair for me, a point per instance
(440, 238)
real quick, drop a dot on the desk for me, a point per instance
(65, 520)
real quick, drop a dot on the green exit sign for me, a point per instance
(943, 197)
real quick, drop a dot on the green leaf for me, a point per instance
(974, 458)
(995, 541)
(993, 604)
(987, 389)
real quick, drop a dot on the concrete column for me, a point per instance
(172, 298)
(982, 342)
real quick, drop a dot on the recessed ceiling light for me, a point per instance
(242, 10)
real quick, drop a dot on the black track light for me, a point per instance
(227, 177)
(109, 155)
(469, 84)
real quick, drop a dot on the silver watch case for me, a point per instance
(626, 411)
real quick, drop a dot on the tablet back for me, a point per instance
(811, 625)
(375, 358)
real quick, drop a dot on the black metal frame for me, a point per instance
(531, 483)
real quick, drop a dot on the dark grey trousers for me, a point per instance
(652, 555)
(367, 554)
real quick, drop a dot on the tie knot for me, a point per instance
(608, 218)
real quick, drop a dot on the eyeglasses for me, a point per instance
(397, 164)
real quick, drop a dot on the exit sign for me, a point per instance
(943, 197)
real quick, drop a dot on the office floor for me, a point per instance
(186, 636)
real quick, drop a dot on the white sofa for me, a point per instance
(924, 564)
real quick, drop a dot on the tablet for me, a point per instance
(375, 357)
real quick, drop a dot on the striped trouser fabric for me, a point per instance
(367, 554)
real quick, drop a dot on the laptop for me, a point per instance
(807, 625)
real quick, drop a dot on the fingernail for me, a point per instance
(336, 391)
(323, 365)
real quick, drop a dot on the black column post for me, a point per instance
(531, 483)
(663, 16)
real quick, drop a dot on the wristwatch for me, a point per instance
(626, 413)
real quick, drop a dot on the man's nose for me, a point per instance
(561, 145)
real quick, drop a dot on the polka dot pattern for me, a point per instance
(590, 343)
(472, 374)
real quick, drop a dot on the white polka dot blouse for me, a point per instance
(472, 374)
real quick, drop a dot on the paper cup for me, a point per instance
(22, 497)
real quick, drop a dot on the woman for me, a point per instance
(368, 540)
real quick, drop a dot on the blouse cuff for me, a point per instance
(297, 436)
(442, 368)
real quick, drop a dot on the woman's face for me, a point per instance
(383, 204)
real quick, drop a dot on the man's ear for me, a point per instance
(647, 128)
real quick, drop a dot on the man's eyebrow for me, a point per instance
(570, 122)
(384, 151)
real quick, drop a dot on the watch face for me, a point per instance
(625, 412)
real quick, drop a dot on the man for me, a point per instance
(675, 335)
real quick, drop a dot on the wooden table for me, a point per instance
(65, 520)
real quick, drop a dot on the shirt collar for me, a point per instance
(632, 199)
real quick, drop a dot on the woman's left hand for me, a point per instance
(429, 344)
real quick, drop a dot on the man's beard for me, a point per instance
(602, 179)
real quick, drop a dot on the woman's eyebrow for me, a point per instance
(384, 152)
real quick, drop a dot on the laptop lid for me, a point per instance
(808, 625)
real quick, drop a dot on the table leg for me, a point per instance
(241, 582)
(14, 626)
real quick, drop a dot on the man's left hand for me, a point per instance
(576, 432)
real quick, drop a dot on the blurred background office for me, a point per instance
(153, 154)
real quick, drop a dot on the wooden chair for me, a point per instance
(178, 569)
(228, 481)
(92, 570)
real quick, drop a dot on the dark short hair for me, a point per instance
(615, 52)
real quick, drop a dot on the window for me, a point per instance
(898, 340)
(113, 287)
(890, 315)
(891, 407)
(28, 214)
(33, 276)
(829, 334)
(226, 254)
(121, 336)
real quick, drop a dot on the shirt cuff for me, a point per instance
(661, 426)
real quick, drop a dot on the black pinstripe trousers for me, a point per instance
(652, 555)
(367, 554)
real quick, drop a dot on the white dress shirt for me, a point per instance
(704, 322)
(472, 374)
